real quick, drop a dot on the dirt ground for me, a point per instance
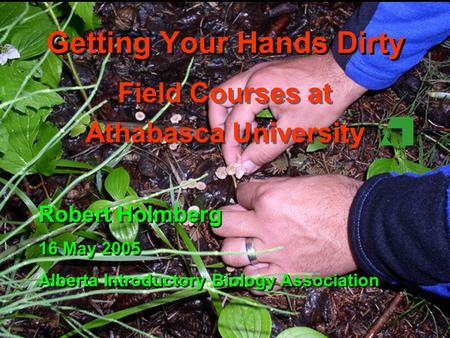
(337, 312)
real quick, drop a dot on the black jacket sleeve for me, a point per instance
(399, 229)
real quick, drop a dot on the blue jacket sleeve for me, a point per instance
(399, 229)
(422, 24)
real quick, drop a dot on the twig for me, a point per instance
(378, 325)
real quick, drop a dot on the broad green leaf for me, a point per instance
(77, 130)
(117, 182)
(123, 231)
(239, 319)
(3, 137)
(399, 166)
(22, 131)
(47, 163)
(316, 145)
(67, 237)
(85, 10)
(51, 71)
(26, 137)
(81, 126)
(11, 78)
(30, 36)
(407, 166)
(9, 11)
(25, 67)
(301, 332)
(100, 205)
(381, 166)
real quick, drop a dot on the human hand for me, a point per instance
(307, 216)
(299, 72)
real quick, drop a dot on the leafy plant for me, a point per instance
(398, 164)
(85, 10)
(241, 319)
(316, 145)
(26, 95)
(301, 332)
(117, 185)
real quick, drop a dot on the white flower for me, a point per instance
(8, 52)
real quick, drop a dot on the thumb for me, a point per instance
(240, 115)
(257, 154)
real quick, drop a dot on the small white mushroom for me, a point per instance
(194, 207)
(184, 185)
(175, 118)
(240, 171)
(231, 169)
(191, 183)
(200, 186)
(173, 146)
(139, 116)
(188, 223)
(221, 173)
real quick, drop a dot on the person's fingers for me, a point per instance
(256, 154)
(264, 269)
(237, 245)
(233, 207)
(246, 193)
(242, 116)
(237, 224)
(218, 112)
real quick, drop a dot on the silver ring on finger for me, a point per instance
(250, 250)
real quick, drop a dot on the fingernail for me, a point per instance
(249, 167)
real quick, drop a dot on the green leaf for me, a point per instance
(399, 166)
(22, 130)
(30, 37)
(51, 71)
(26, 137)
(407, 166)
(11, 78)
(265, 113)
(81, 126)
(117, 182)
(66, 237)
(301, 332)
(85, 10)
(381, 166)
(100, 205)
(239, 319)
(3, 135)
(9, 11)
(47, 163)
(123, 231)
(316, 145)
